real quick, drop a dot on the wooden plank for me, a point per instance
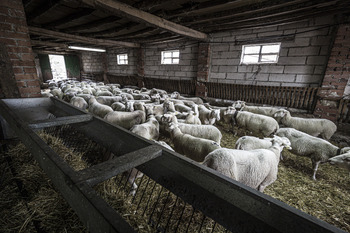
(110, 168)
(70, 18)
(48, 43)
(137, 15)
(61, 121)
(39, 11)
(303, 97)
(82, 39)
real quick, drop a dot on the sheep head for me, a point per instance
(238, 104)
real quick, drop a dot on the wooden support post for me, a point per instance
(140, 67)
(203, 69)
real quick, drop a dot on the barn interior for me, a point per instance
(212, 49)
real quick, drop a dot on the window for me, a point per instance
(171, 57)
(260, 53)
(122, 59)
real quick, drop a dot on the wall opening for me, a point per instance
(58, 67)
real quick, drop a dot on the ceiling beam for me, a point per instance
(135, 14)
(31, 16)
(96, 24)
(69, 18)
(81, 39)
(48, 44)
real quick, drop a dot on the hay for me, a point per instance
(326, 199)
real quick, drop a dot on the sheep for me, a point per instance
(79, 102)
(98, 109)
(164, 144)
(319, 150)
(189, 146)
(149, 129)
(182, 108)
(267, 111)
(168, 106)
(209, 132)
(342, 161)
(118, 106)
(109, 100)
(315, 127)
(177, 95)
(208, 117)
(254, 122)
(125, 119)
(57, 93)
(192, 118)
(255, 168)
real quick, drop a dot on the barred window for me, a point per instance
(170, 57)
(260, 53)
(122, 59)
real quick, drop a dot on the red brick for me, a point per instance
(8, 41)
(23, 43)
(29, 70)
(15, 4)
(21, 84)
(20, 77)
(5, 26)
(14, 35)
(23, 63)
(36, 95)
(18, 70)
(27, 57)
(26, 90)
(33, 83)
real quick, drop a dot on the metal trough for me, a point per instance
(232, 205)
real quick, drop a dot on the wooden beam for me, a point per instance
(81, 39)
(72, 17)
(144, 17)
(96, 24)
(31, 16)
(112, 31)
(42, 51)
(48, 44)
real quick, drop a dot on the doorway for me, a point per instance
(58, 67)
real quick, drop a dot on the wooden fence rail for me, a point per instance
(293, 97)
(123, 80)
(182, 86)
(344, 111)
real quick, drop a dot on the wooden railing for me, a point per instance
(344, 111)
(293, 97)
(182, 86)
(123, 80)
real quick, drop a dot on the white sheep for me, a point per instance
(164, 144)
(317, 149)
(79, 102)
(267, 111)
(149, 129)
(208, 117)
(192, 118)
(108, 100)
(255, 123)
(196, 100)
(98, 109)
(126, 119)
(189, 146)
(255, 168)
(209, 132)
(315, 127)
(182, 108)
(342, 161)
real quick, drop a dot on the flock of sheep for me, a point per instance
(189, 123)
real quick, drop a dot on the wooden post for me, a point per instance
(203, 69)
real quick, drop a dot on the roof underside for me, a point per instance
(56, 24)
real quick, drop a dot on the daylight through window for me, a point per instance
(122, 59)
(260, 53)
(171, 57)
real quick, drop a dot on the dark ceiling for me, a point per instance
(56, 24)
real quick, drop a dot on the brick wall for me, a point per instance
(302, 60)
(14, 35)
(185, 70)
(92, 62)
(336, 76)
(129, 69)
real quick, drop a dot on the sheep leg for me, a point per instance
(315, 167)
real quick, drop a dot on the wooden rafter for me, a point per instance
(111, 31)
(81, 39)
(93, 25)
(144, 17)
(42, 10)
(80, 14)
(48, 43)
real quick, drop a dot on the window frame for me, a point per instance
(119, 59)
(172, 58)
(260, 54)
